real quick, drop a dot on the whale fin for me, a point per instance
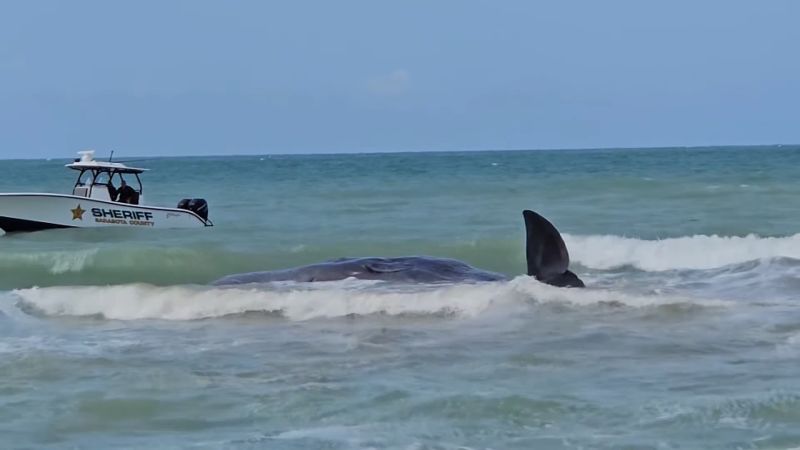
(546, 253)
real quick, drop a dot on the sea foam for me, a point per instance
(314, 300)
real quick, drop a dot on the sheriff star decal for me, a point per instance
(77, 213)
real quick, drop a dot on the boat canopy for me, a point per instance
(87, 162)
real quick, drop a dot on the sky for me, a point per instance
(202, 77)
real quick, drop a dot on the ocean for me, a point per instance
(687, 335)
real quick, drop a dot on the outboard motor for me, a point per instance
(198, 206)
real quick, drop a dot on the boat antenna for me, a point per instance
(111, 156)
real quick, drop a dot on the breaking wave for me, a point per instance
(690, 252)
(317, 300)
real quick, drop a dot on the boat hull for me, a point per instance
(34, 212)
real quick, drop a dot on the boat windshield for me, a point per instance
(84, 178)
(101, 178)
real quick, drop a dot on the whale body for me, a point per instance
(545, 252)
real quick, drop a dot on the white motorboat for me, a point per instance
(106, 194)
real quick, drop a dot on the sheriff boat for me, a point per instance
(106, 194)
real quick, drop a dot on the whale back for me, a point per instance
(546, 252)
(404, 269)
(547, 256)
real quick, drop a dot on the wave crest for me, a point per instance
(310, 301)
(690, 252)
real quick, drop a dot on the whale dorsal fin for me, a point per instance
(545, 250)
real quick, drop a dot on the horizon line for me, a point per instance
(395, 152)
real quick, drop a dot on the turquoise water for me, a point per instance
(687, 337)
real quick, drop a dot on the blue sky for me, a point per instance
(236, 77)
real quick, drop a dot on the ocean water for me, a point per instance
(688, 335)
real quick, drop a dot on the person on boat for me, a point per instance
(112, 191)
(127, 194)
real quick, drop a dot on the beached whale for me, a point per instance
(546, 254)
